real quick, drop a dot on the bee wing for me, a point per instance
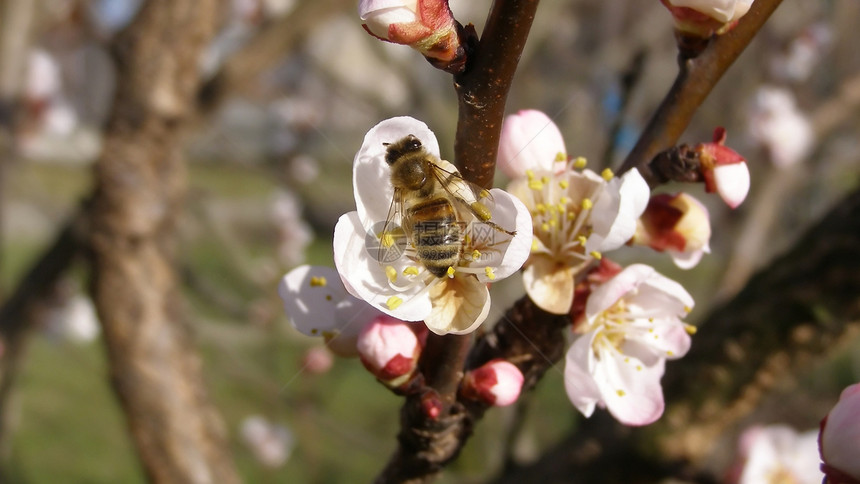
(390, 237)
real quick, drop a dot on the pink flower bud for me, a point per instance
(724, 170)
(425, 25)
(389, 349)
(703, 18)
(678, 224)
(496, 383)
(530, 141)
(839, 439)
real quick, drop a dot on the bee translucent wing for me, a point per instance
(391, 235)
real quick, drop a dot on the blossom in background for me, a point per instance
(776, 123)
(270, 443)
(389, 348)
(318, 305)
(776, 454)
(724, 170)
(630, 326)
(677, 224)
(578, 215)
(840, 439)
(75, 319)
(317, 360)
(401, 286)
(496, 383)
(703, 18)
(425, 25)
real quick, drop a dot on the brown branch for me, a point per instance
(696, 78)
(483, 88)
(140, 183)
(427, 442)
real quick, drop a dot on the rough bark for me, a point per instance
(140, 182)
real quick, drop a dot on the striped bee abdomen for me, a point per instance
(436, 235)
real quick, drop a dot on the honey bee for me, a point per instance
(434, 204)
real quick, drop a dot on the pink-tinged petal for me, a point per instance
(667, 339)
(778, 451)
(459, 305)
(310, 295)
(379, 22)
(617, 210)
(606, 295)
(732, 183)
(669, 294)
(687, 260)
(504, 253)
(720, 10)
(549, 284)
(578, 375)
(366, 278)
(530, 141)
(371, 176)
(366, 7)
(631, 390)
(840, 433)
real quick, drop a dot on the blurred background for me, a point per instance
(290, 88)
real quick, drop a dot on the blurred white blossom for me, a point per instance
(270, 443)
(776, 123)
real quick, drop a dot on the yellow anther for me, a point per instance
(560, 156)
(386, 239)
(561, 207)
(580, 162)
(545, 227)
(535, 245)
(535, 185)
(597, 255)
(670, 353)
(318, 281)
(690, 329)
(484, 193)
(564, 200)
(626, 359)
(467, 240)
(564, 184)
(541, 208)
(530, 174)
(450, 272)
(571, 215)
(314, 331)
(544, 179)
(607, 174)
(328, 297)
(620, 393)
(638, 367)
(476, 254)
(687, 309)
(481, 211)
(553, 223)
(581, 239)
(489, 271)
(393, 303)
(391, 273)
(587, 204)
(410, 271)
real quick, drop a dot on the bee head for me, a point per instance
(403, 146)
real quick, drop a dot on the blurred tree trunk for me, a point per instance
(140, 183)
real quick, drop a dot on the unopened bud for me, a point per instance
(724, 170)
(704, 18)
(496, 382)
(840, 439)
(389, 349)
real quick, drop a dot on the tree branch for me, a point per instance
(696, 78)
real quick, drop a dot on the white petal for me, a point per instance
(366, 7)
(733, 183)
(549, 284)
(667, 338)
(371, 176)
(366, 278)
(686, 260)
(721, 10)
(617, 210)
(578, 379)
(460, 305)
(529, 141)
(312, 308)
(631, 390)
(607, 294)
(508, 213)
(670, 294)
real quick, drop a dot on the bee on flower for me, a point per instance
(422, 244)
(578, 214)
